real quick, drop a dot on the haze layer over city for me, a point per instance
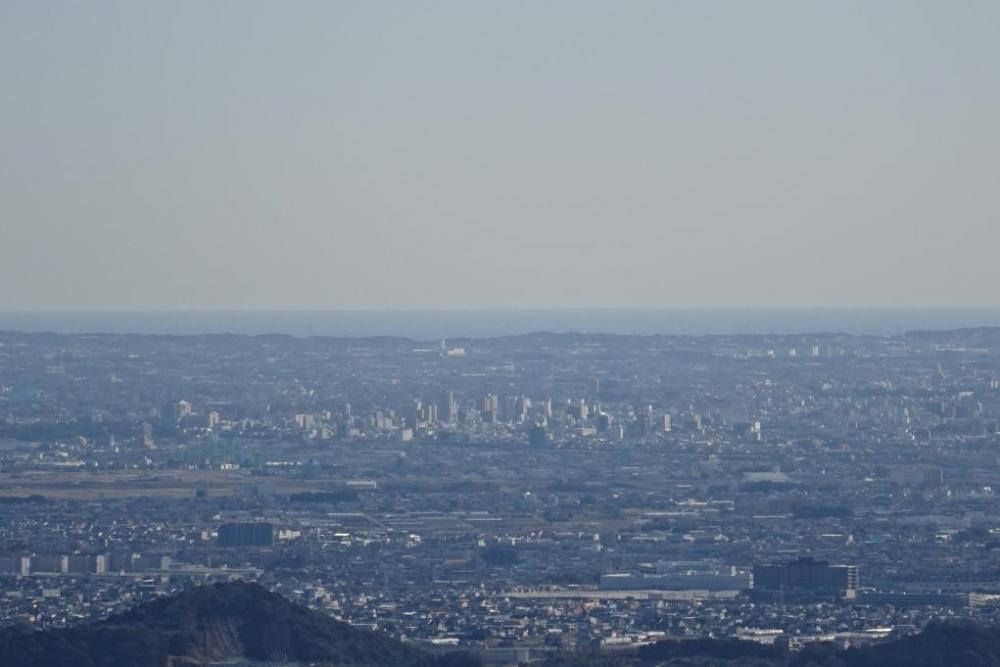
(452, 334)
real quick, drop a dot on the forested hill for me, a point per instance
(952, 644)
(212, 623)
(240, 620)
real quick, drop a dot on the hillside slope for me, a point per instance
(211, 623)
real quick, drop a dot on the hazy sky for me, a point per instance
(510, 154)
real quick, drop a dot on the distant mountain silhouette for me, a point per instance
(209, 624)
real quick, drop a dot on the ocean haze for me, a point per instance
(427, 325)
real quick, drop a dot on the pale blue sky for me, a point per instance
(505, 154)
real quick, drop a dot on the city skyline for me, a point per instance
(499, 334)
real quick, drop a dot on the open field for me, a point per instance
(88, 485)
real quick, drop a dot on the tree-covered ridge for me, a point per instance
(952, 644)
(211, 623)
(224, 621)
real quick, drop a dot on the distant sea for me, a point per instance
(436, 324)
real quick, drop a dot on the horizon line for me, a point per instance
(499, 309)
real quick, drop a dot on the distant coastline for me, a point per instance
(437, 324)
